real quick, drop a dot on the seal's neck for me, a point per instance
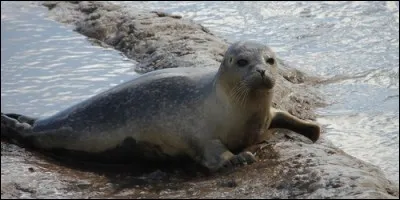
(247, 117)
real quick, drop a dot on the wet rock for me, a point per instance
(163, 14)
(227, 183)
(289, 165)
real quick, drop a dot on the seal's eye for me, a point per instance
(242, 62)
(270, 61)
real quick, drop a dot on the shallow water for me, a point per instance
(46, 67)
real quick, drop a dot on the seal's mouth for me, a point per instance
(267, 81)
(261, 80)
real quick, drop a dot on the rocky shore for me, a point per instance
(289, 165)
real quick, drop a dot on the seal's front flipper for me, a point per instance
(242, 158)
(216, 157)
(284, 120)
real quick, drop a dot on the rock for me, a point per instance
(289, 165)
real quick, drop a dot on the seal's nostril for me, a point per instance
(261, 71)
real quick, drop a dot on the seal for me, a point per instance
(209, 115)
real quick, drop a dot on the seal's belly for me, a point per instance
(152, 146)
(129, 151)
(138, 149)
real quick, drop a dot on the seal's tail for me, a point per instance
(14, 127)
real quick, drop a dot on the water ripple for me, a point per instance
(55, 69)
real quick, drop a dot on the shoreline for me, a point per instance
(289, 167)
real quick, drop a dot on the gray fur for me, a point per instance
(203, 113)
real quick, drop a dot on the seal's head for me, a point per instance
(248, 65)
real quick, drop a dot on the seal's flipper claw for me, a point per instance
(242, 159)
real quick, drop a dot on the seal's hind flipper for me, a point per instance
(19, 128)
(21, 118)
